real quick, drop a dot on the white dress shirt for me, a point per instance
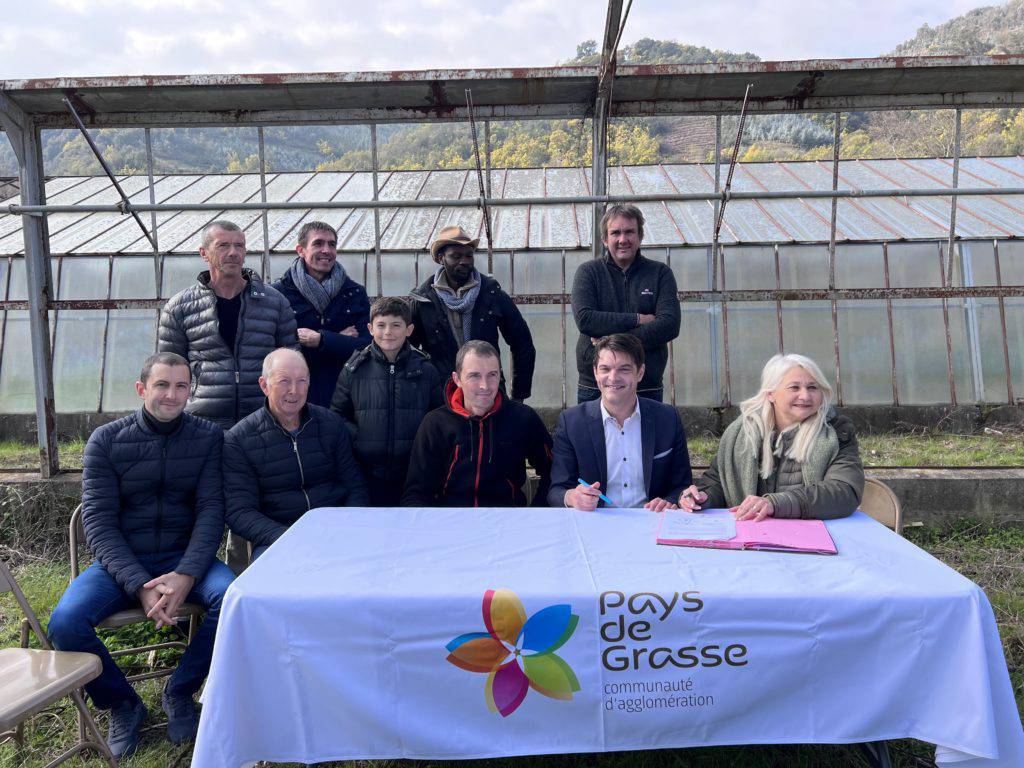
(623, 448)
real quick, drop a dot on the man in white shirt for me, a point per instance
(629, 449)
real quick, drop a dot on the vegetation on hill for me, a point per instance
(518, 144)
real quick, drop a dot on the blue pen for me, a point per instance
(604, 498)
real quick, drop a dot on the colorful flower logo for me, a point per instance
(531, 644)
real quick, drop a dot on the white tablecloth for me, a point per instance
(369, 633)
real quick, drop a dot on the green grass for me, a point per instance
(988, 554)
(913, 450)
(890, 450)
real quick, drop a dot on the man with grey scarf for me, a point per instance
(331, 309)
(458, 304)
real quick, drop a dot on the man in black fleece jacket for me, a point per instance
(624, 292)
(473, 451)
(153, 516)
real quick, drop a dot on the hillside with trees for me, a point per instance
(534, 143)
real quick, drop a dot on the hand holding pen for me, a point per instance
(585, 496)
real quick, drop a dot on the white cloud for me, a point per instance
(121, 37)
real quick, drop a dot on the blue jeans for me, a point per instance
(586, 394)
(95, 595)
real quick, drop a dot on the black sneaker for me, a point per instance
(182, 717)
(125, 723)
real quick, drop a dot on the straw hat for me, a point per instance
(451, 235)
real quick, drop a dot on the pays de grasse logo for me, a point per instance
(518, 653)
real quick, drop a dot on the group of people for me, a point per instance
(264, 402)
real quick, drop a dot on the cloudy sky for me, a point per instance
(43, 38)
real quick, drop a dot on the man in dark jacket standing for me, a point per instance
(287, 458)
(383, 393)
(225, 325)
(331, 309)
(473, 451)
(458, 304)
(153, 515)
(624, 292)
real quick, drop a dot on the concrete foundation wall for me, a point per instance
(963, 419)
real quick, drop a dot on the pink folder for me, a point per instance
(770, 535)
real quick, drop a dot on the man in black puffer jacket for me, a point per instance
(458, 304)
(473, 452)
(153, 515)
(331, 309)
(287, 458)
(383, 393)
(225, 325)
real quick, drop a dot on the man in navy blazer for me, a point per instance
(630, 449)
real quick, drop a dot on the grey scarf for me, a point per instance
(316, 293)
(737, 464)
(464, 305)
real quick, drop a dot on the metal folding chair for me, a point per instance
(34, 679)
(132, 615)
(881, 503)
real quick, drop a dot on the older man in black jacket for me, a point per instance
(153, 515)
(287, 458)
(458, 304)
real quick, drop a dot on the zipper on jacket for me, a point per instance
(238, 343)
(160, 492)
(391, 413)
(302, 475)
(479, 463)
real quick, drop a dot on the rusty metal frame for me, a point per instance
(24, 131)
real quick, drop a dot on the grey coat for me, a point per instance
(837, 495)
(225, 382)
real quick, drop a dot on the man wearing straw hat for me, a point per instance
(457, 304)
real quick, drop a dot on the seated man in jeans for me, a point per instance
(287, 458)
(153, 516)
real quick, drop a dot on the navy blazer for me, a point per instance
(579, 451)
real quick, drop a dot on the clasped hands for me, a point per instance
(162, 597)
(311, 338)
(755, 508)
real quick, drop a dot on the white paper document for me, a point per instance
(699, 526)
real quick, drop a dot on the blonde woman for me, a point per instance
(788, 455)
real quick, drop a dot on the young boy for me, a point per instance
(383, 393)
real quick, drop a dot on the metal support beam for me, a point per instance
(599, 133)
(40, 293)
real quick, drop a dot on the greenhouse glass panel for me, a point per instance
(4, 270)
(537, 271)
(864, 356)
(546, 326)
(749, 267)
(18, 290)
(399, 273)
(859, 266)
(913, 265)
(696, 354)
(753, 338)
(179, 273)
(807, 330)
(130, 340)
(133, 278)
(76, 360)
(362, 267)
(279, 265)
(806, 266)
(1014, 339)
(17, 386)
(990, 348)
(920, 338)
(691, 267)
(83, 278)
(963, 335)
